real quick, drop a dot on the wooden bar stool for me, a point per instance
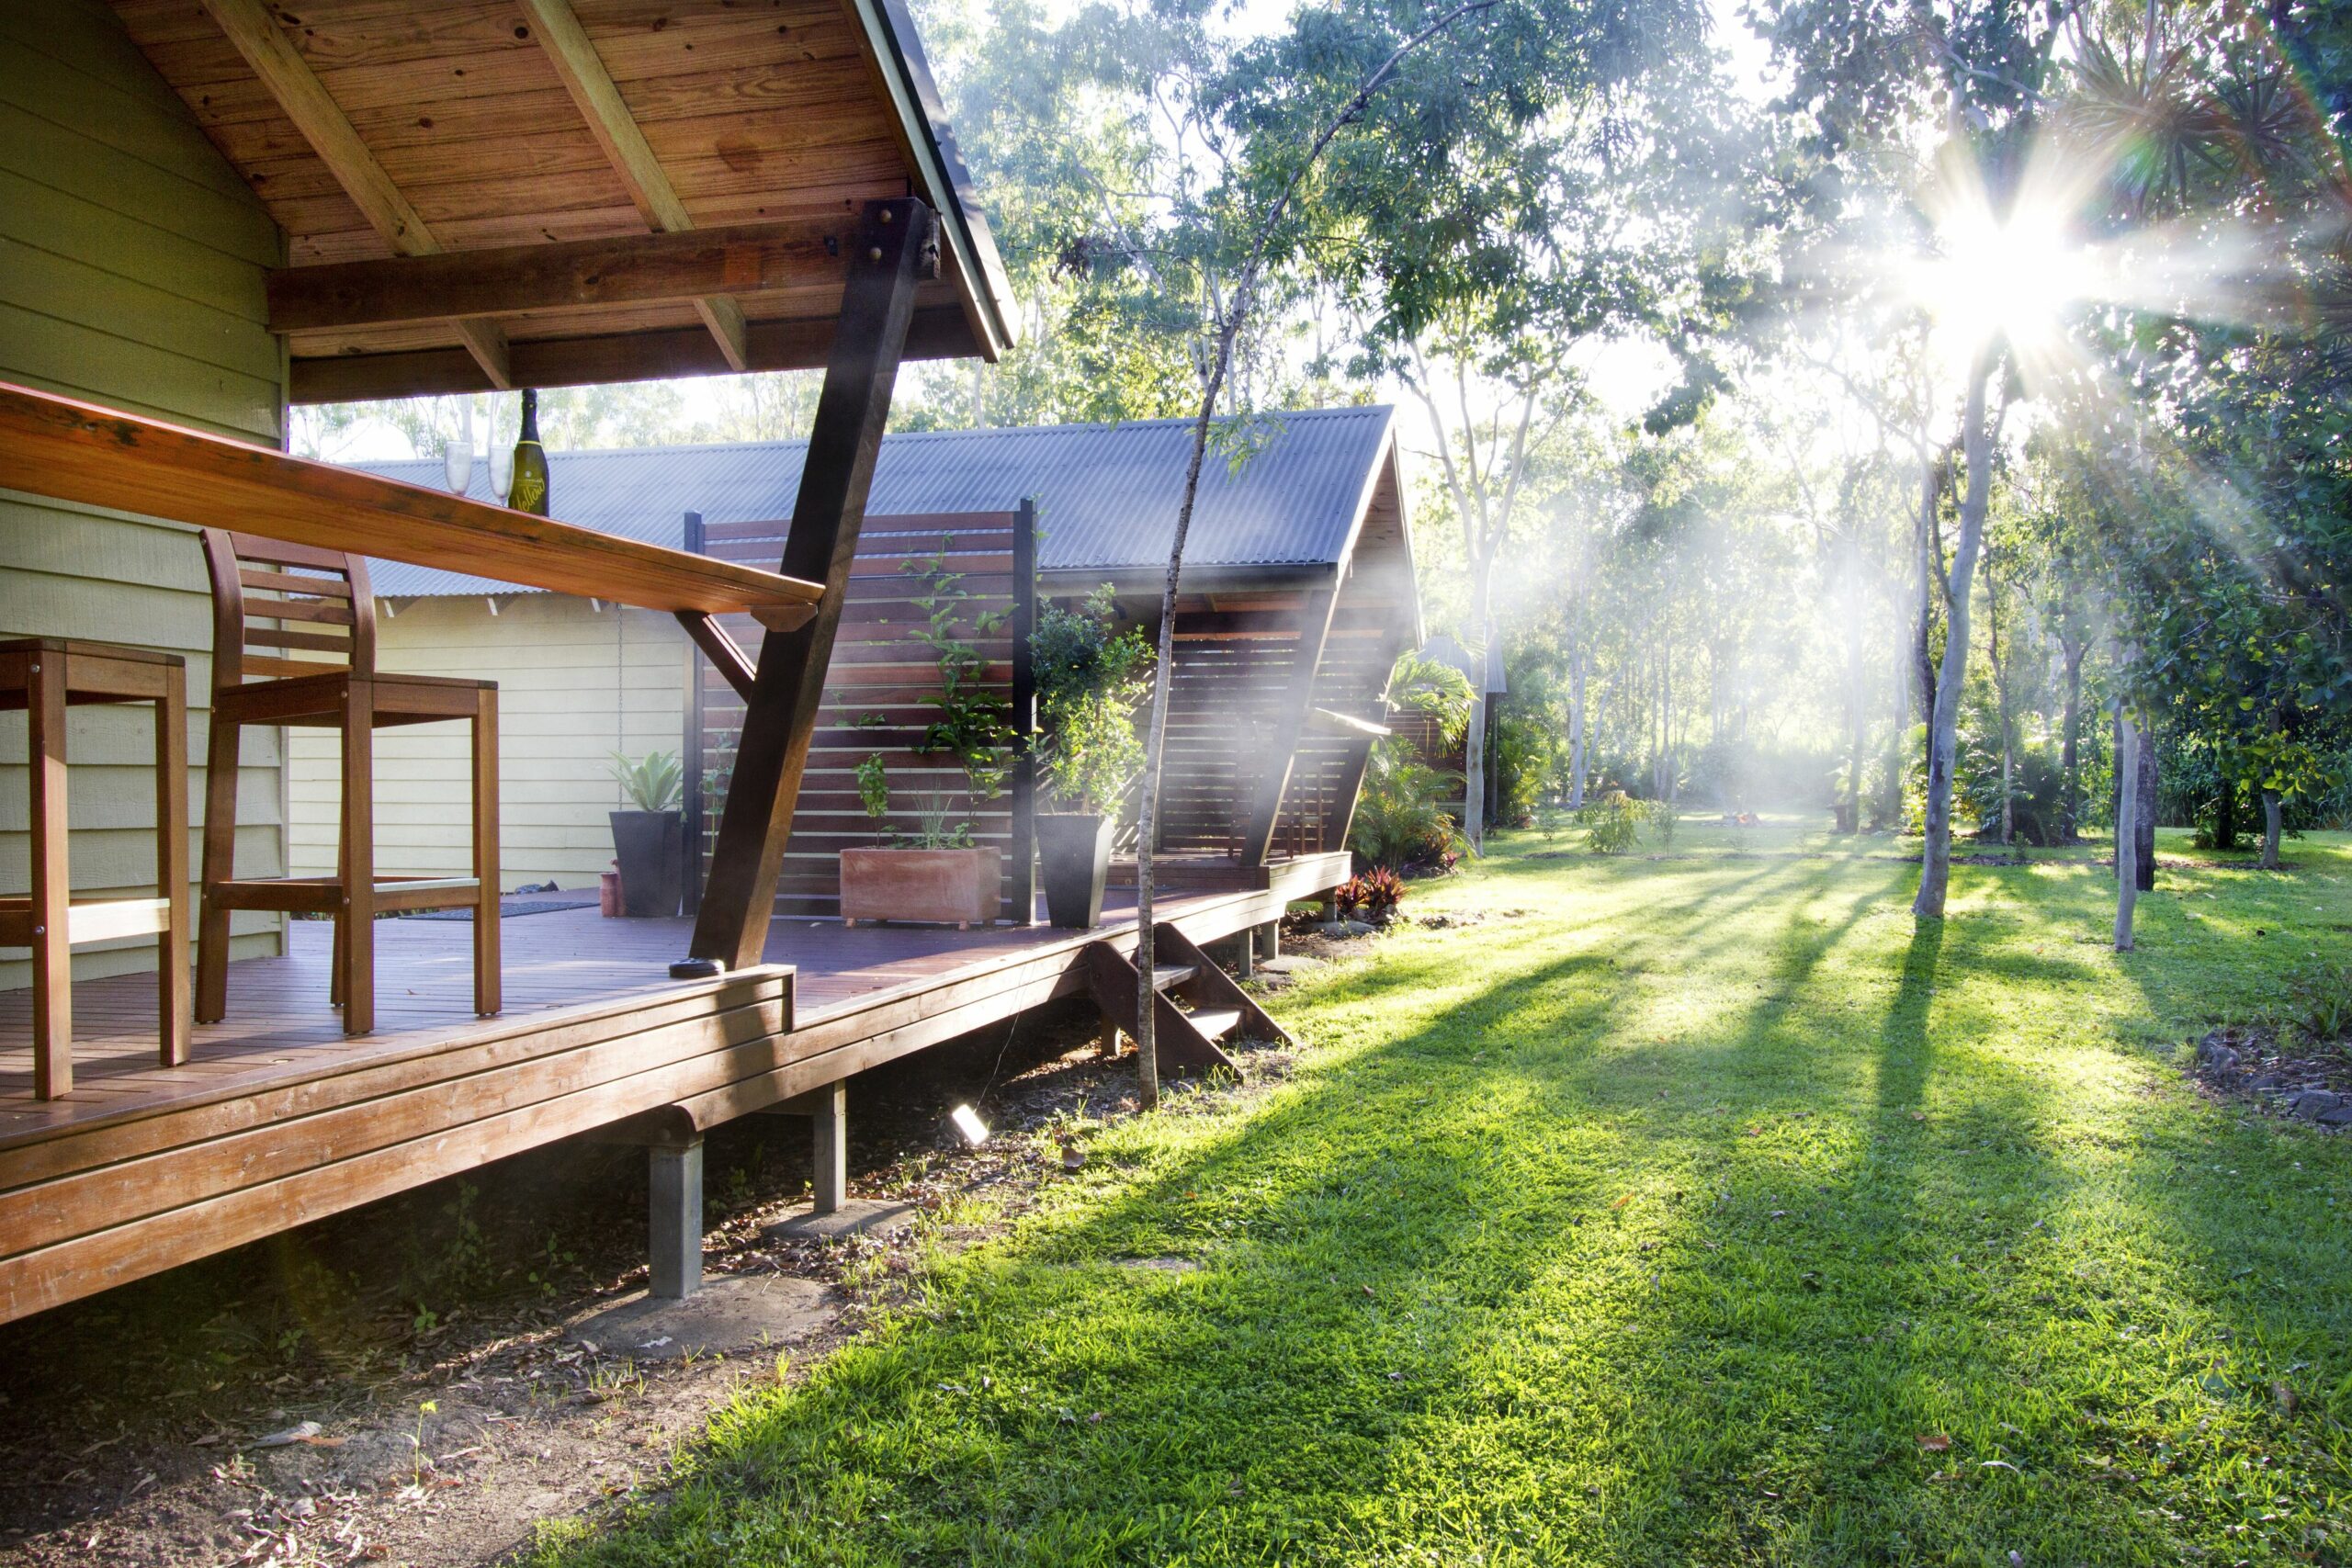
(320, 602)
(44, 676)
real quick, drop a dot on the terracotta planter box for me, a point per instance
(963, 887)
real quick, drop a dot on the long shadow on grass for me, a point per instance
(1353, 1236)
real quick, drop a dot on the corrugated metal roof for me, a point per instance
(1106, 493)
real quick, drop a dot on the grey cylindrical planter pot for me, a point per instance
(1073, 862)
(649, 846)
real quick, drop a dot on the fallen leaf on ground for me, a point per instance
(1935, 1442)
(302, 1432)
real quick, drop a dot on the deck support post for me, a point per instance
(1270, 940)
(1245, 955)
(674, 1217)
(897, 248)
(827, 1110)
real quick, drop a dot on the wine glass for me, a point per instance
(502, 459)
(458, 454)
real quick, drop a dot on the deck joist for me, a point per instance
(279, 1121)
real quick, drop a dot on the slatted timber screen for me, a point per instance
(1237, 655)
(874, 696)
(1234, 660)
(1327, 771)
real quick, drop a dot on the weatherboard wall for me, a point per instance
(131, 263)
(576, 684)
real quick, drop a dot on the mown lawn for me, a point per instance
(1656, 1221)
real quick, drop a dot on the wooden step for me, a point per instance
(1168, 977)
(1216, 1022)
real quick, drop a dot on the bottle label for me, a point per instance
(529, 491)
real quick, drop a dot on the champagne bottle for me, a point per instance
(528, 490)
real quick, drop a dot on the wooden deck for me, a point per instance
(278, 1119)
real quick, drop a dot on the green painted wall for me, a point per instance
(131, 271)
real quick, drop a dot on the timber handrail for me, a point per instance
(81, 452)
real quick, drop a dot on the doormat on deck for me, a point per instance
(515, 904)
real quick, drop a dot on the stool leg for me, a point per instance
(358, 966)
(52, 881)
(171, 868)
(485, 739)
(220, 866)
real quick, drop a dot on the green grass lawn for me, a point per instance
(1657, 1222)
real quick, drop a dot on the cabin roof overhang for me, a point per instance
(551, 192)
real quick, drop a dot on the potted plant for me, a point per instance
(935, 871)
(648, 839)
(1090, 680)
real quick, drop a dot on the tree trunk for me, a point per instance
(1923, 664)
(2271, 815)
(1943, 728)
(2070, 761)
(2127, 848)
(2145, 838)
(1575, 731)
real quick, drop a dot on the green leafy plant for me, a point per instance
(655, 782)
(933, 829)
(974, 725)
(873, 791)
(1091, 680)
(1401, 819)
(1376, 892)
(1612, 822)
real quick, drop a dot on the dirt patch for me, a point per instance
(409, 1383)
(2310, 1082)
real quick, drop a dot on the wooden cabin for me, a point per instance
(1318, 503)
(213, 209)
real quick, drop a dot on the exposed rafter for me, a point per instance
(591, 85)
(328, 131)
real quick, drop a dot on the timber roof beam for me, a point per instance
(697, 264)
(576, 59)
(329, 130)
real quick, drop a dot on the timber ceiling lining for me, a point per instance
(754, 110)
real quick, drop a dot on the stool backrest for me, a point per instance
(318, 598)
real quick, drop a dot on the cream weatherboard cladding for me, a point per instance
(131, 261)
(576, 682)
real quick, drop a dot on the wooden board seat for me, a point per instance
(92, 919)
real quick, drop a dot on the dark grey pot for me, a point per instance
(651, 846)
(1073, 862)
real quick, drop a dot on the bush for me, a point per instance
(1401, 821)
(1376, 892)
(1612, 822)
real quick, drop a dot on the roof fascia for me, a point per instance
(897, 51)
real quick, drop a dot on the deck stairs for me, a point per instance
(1199, 1005)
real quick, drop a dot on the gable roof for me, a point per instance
(1106, 494)
(377, 134)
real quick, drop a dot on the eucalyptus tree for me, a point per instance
(1871, 77)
